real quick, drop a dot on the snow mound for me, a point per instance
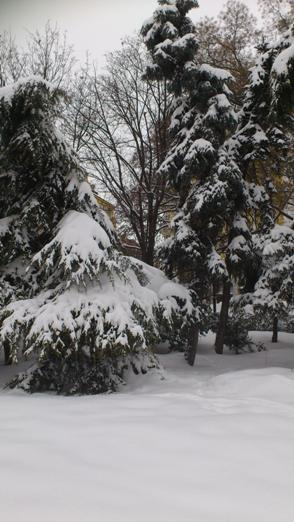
(203, 445)
(273, 384)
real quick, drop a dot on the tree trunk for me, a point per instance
(214, 300)
(223, 318)
(7, 354)
(275, 330)
(149, 257)
(192, 346)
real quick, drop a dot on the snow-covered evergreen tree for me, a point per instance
(201, 120)
(269, 98)
(265, 123)
(68, 294)
(213, 197)
(211, 162)
(274, 292)
(272, 298)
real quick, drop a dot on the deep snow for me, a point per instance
(213, 443)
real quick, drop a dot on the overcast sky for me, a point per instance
(94, 25)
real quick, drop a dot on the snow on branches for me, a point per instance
(71, 297)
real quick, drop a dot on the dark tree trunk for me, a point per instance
(275, 330)
(223, 318)
(7, 354)
(147, 252)
(214, 300)
(192, 346)
(149, 258)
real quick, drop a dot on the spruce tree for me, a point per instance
(202, 115)
(211, 163)
(68, 294)
(213, 198)
(265, 125)
(273, 295)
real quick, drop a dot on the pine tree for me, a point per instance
(68, 294)
(211, 164)
(266, 121)
(202, 116)
(211, 218)
(263, 124)
(273, 295)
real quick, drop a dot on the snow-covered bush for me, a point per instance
(272, 297)
(69, 295)
(236, 334)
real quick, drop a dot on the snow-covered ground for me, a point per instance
(214, 443)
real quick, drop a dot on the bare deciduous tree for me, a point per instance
(121, 130)
(49, 55)
(277, 14)
(46, 53)
(12, 63)
(228, 42)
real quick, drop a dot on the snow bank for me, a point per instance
(207, 444)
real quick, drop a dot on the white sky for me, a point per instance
(94, 25)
